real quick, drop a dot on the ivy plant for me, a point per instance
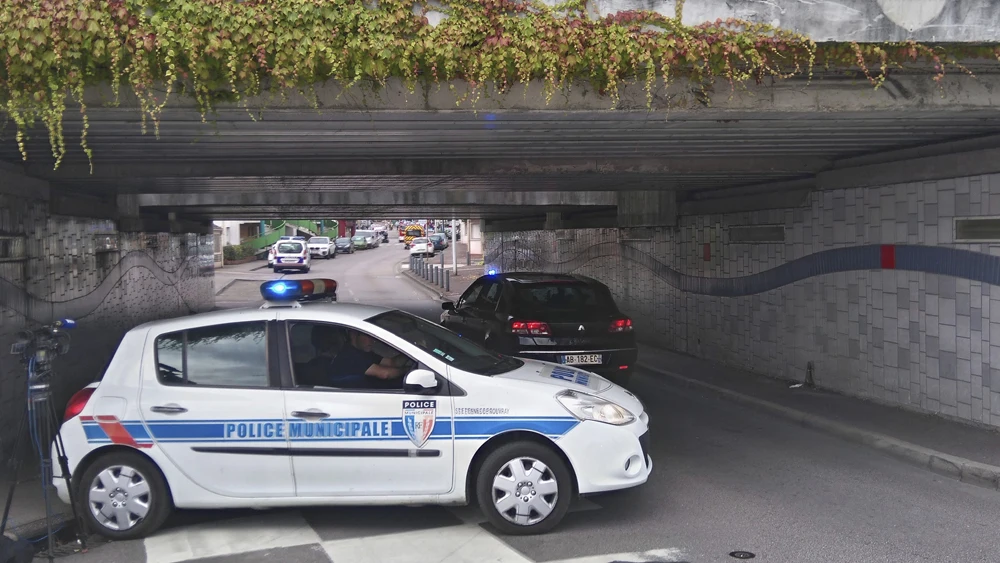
(231, 50)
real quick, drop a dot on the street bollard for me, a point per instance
(423, 270)
(434, 273)
(437, 275)
(441, 272)
(447, 280)
(442, 259)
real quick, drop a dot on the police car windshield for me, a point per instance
(449, 347)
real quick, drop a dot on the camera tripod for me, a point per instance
(42, 424)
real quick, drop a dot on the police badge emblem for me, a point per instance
(418, 420)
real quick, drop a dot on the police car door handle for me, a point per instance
(168, 409)
(310, 414)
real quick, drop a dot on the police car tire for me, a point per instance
(500, 457)
(159, 510)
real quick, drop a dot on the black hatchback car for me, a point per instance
(564, 319)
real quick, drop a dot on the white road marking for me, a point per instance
(228, 537)
(454, 544)
(669, 555)
(470, 513)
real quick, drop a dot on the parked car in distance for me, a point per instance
(322, 247)
(421, 247)
(344, 245)
(438, 240)
(360, 242)
(292, 255)
(559, 318)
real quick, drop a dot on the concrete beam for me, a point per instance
(536, 223)
(833, 90)
(922, 169)
(303, 174)
(376, 198)
(14, 181)
(81, 205)
(647, 208)
(753, 202)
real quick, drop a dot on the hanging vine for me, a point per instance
(233, 50)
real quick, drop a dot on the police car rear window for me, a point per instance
(228, 355)
(289, 248)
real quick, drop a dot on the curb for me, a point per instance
(433, 290)
(947, 465)
(225, 287)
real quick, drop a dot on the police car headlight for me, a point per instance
(591, 407)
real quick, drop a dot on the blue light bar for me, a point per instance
(491, 272)
(298, 290)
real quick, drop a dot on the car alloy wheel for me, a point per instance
(524, 487)
(525, 491)
(120, 497)
(123, 496)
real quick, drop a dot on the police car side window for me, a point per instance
(229, 355)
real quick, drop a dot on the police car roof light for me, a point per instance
(297, 290)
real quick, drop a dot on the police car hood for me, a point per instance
(566, 377)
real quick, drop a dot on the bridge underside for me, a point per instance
(397, 154)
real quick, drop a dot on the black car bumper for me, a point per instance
(612, 361)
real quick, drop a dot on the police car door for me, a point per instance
(363, 442)
(212, 403)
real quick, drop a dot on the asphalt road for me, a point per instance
(725, 478)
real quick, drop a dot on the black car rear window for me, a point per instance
(562, 296)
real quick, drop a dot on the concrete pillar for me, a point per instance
(129, 218)
(655, 208)
(554, 221)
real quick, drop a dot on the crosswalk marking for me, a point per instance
(454, 544)
(470, 513)
(229, 537)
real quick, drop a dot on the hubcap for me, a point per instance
(119, 497)
(525, 491)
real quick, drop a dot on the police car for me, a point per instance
(240, 408)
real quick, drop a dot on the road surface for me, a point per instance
(725, 478)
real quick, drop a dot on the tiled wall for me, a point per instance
(52, 267)
(898, 312)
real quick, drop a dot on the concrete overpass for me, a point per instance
(753, 186)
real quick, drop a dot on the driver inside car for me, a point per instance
(358, 366)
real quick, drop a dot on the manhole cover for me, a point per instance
(742, 555)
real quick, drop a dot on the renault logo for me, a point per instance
(581, 329)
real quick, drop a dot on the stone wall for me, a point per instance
(868, 286)
(843, 20)
(54, 267)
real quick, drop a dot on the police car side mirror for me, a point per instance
(422, 379)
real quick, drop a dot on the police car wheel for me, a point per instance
(123, 496)
(524, 488)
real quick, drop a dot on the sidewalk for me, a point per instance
(458, 284)
(953, 449)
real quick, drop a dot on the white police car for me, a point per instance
(242, 408)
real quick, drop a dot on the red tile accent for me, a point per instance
(889, 256)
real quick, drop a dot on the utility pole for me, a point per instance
(454, 256)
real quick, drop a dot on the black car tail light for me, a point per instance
(621, 325)
(530, 328)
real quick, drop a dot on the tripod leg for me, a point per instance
(81, 534)
(17, 466)
(39, 422)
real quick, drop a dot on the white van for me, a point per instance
(291, 255)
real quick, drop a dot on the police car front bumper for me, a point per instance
(607, 457)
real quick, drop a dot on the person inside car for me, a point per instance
(357, 366)
(327, 341)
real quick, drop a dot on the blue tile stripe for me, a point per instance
(941, 260)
